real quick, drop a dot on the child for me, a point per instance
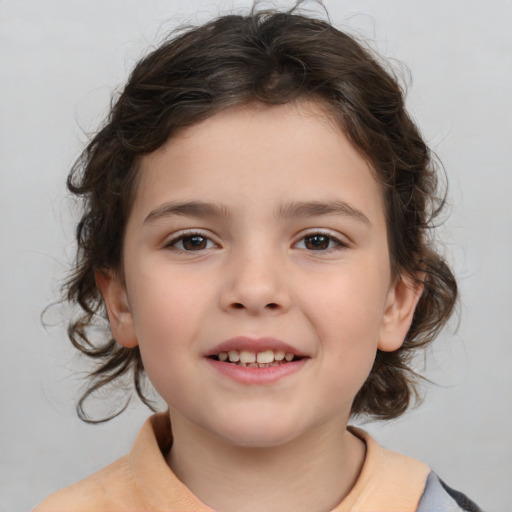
(256, 227)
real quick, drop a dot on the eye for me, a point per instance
(318, 242)
(191, 242)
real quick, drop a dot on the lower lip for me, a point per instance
(257, 376)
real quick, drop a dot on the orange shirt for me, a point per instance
(142, 481)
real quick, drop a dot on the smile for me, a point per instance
(251, 359)
(256, 361)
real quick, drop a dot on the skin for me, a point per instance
(255, 272)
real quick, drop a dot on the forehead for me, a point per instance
(291, 152)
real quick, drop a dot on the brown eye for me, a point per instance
(317, 242)
(192, 242)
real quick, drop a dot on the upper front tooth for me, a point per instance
(288, 356)
(279, 355)
(267, 356)
(223, 356)
(247, 357)
(234, 356)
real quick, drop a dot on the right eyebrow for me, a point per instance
(320, 208)
(198, 209)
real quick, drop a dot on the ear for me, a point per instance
(119, 313)
(402, 298)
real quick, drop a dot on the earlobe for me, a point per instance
(401, 303)
(119, 313)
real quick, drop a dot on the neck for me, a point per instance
(312, 473)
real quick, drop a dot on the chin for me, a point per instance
(261, 433)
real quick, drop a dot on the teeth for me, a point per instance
(261, 359)
(234, 356)
(265, 357)
(278, 355)
(247, 357)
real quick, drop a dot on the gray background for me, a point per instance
(60, 60)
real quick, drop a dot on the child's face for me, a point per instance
(258, 227)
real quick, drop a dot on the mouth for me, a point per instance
(256, 359)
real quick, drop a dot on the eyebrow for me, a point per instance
(201, 209)
(318, 208)
(188, 208)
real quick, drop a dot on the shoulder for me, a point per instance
(439, 497)
(96, 492)
(390, 481)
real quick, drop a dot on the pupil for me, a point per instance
(317, 242)
(194, 242)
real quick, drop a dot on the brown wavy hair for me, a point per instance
(272, 58)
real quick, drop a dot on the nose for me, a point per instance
(256, 285)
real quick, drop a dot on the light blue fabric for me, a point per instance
(438, 497)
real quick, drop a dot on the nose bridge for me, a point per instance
(256, 281)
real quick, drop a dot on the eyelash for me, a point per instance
(338, 244)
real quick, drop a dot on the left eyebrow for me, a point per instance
(318, 208)
(189, 208)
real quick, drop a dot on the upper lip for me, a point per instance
(253, 344)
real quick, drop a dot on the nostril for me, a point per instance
(270, 306)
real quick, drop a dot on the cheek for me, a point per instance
(348, 306)
(163, 302)
(167, 318)
(347, 314)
